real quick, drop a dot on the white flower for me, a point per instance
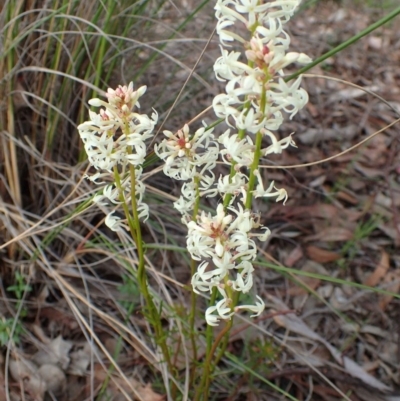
(261, 192)
(231, 185)
(224, 34)
(262, 236)
(114, 139)
(143, 211)
(212, 320)
(143, 125)
(183, 205)
(277, 146)
(223, 106)
(109, 192)
(207, 237)
(204, 281)
(253, 9)
(223, 308)
(288, 8)
(250, 121)
(114, 222)
(184, 155)
(223, 12)
(125, 96)
(224, 264)
(239, 150)
(244, 279)
(228, 67)
(255, 100)
(258, 308)
(289, 98)
(266, 35)
(244, 221)
(249, 85)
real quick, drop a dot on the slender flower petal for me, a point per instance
(258, 308)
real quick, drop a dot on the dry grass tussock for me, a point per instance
(71, 324)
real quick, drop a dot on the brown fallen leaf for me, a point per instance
(321, 255)
(294, 256)
(381, 269)
(64, 319)
(347, 197)
(331, 234)
(368, 171)
(394, 279)
(318, 210)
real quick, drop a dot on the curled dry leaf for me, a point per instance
(54, 378)
(24, 372)
(54, 353)
(80, 359)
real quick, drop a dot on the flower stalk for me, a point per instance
(114, 141)
(222, 243)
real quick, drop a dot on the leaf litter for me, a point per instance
(349, 334)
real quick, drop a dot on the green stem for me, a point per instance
(193, 300)
(253, 167)
(192, 320)
(209, 346)
(135, 229)
(206, 372)
(209, 330)
(224, 335)
(227, 336)
(155, 318)
(128, 216)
